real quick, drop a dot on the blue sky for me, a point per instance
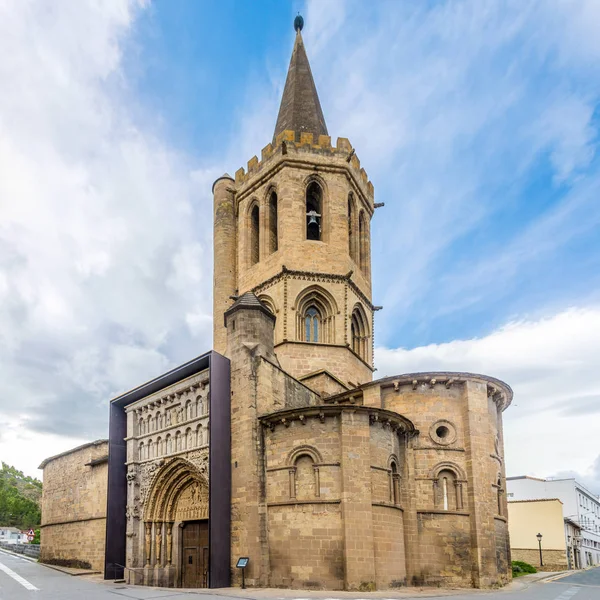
(476, 121)
(196, 67)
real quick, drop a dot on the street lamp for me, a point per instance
(539, 539)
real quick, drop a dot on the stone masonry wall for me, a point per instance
(554, 560)
(74, 506)
(444, 545)
(74, 544)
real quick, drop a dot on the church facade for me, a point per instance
(278, 445)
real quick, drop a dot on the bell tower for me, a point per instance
(294, 230)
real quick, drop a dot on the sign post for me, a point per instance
(242, 563)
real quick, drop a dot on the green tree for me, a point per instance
(20, 497)
(36, 538)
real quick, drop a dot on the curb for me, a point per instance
(62, 570)
(19, 555)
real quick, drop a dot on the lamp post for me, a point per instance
(539, 539)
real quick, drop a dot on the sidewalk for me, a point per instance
(284, 593)
(517, 584)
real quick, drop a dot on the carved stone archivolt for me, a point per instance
(179, 480)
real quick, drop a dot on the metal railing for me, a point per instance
(116, 569)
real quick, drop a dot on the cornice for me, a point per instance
(317, 276)
(500, 392)
(385, 418)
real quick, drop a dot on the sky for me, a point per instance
(476, 121)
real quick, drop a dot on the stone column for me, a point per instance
(158, 537)
(410, 520)
(249, 335)
(481, 476)
(148, 526)
(359, 551)
(225, 260)
(169, 526)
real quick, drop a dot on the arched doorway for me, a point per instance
(176, 526)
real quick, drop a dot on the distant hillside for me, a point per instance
(20, 498)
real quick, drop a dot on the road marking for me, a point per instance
(568, 594)
(19, 579)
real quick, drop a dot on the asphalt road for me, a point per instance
(21, 579)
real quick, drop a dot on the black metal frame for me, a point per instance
(219, 533)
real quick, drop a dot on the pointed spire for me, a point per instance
(300, 108)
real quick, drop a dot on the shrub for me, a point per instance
(521, 568)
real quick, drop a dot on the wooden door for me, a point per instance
(195, 554)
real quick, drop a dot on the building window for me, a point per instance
(359, 331)
(254, 235)
(273, 223)
(394, 483)
(447, 491)
(312, 321)
(351, 228)
(268, 303)
(499, 495)
(363, 243)
(314, 210)
(304, 478)
(315, 310)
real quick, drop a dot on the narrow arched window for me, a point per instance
(159, 447)
(312, 320)
(363, 243)
(351, 240)
(254, 235)
(394, 484)
(499, 494)
(448, 491)
(445, 492)
(273, 223)
(314, 210)
(359, 332)
(355, 336)
(141, 451)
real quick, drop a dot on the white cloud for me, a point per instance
(552, 366)
(104, 246)
(102, 254)
(451, 107)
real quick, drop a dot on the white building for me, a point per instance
(10, 535)
(580, 506)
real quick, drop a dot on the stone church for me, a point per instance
(277, 445)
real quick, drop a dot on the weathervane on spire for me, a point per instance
(298, 22)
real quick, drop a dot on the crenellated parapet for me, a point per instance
(297, 148)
